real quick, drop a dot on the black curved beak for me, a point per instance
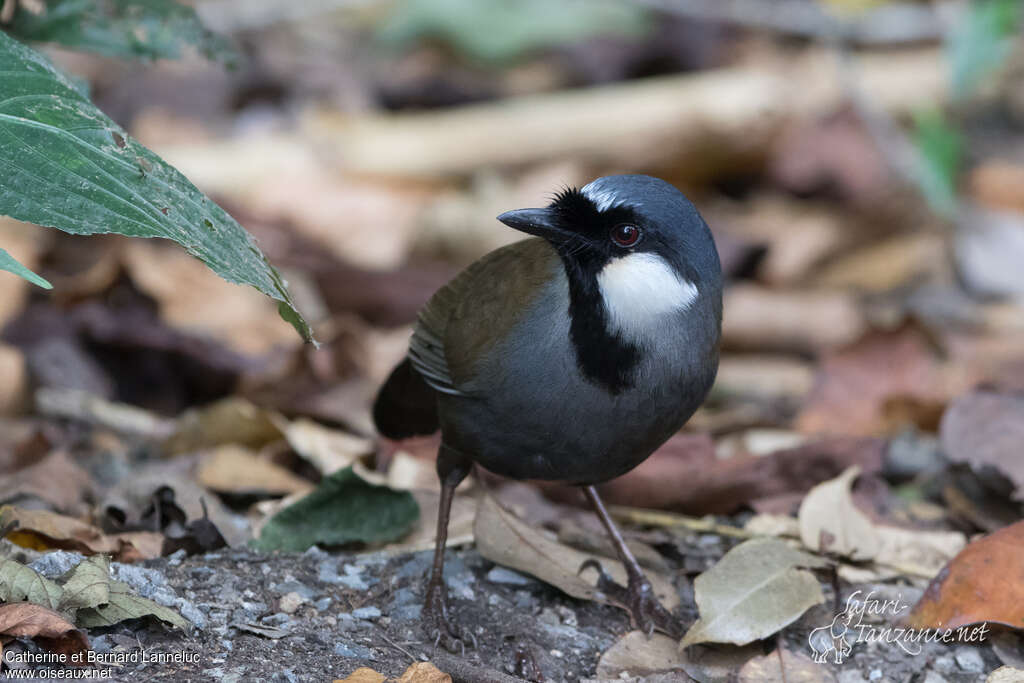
(539, 222)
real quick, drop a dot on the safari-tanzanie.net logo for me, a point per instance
(868, 618)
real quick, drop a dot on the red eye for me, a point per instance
(625, 235)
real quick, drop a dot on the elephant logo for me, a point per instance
(832, 639)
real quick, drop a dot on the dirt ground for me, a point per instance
(319, 616)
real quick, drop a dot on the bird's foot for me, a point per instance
(645, 611)
(438, 626)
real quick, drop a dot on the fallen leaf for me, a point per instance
(44, 530)
(983, 583)
(924, 552)
(855, 382)
(637, 654)
(717, 663)
(886, 265)
(783, 666)
(363, 675)
(208, 305)
(685, 475)
(507, 541)
(831, 523)
(343, 508)
(756, 589)
(424, 531)
(56, 479)
(424, 672)
(271, 632)
(51, 630)
(18, 582)
(329, 450)
(983, 428)
(122, 605)
(231, 420)
(13, 379)
(199, 536)
(233, 469)
(87, 584)
(988, 247)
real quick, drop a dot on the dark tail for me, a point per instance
(406, 406)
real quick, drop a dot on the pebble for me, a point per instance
(366, 612)
(875, 674)
(508, 577)
(59, 562)
(290, 602)
(295, 587)
(175, 558)
(353, 651)
(322, 604)
(969, 660)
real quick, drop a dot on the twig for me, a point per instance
(395, 645)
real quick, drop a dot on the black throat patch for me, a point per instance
(602, 356)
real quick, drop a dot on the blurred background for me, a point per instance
(860, 162)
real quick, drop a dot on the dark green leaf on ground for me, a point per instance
(343, 508)
(67, 165)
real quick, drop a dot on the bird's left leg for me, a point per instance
(646, 612)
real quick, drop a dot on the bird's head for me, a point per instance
(637, 238)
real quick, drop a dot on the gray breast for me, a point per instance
(534, 416)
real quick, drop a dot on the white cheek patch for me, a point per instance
(639, 289)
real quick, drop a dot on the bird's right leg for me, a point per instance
(452, 468)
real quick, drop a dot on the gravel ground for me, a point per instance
(319, 616)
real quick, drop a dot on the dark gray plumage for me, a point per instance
(571, 356)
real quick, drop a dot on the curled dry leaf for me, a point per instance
(45, 530)
(123, 604)
(756, 589)
(831, 523)
(231, 420)
(983, 583)
(784, 666)
(983, 428)
(329, 450)
(503, 539)
(87, 584)
(48, 628)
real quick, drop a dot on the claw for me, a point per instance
(436, 622)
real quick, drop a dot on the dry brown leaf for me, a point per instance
(363, 675)
(424, 672)
(784, 666)
(193, 297)
(760, 319)
(1006, 674)
(998, 184)
(983, 583)
(925, 552)
(854, 383)
(231, 420)
(637, 654)
(13, 379)
(831, 523)
(886, 265)
(45, 530)
(56, 479)
(329, 450)
(987, 429)
(234, 469)
(48, 628)
(503, 539)
(765, 377)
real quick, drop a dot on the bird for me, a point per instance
(569, 356)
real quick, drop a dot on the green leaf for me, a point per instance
(124, 605)
(499, 30)
(939, 147)
(343, 508)
(122, 28)
(18, 582)
(8, 263)
(87, 584)
(66, 165)
(981, 42)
